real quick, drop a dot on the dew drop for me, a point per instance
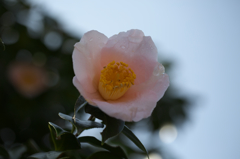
(151, 47)
(135, 36)
(158, 70)
(91, 39)
(123, 47)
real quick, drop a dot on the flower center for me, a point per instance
(115, 80)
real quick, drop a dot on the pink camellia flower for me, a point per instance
(121, 74)
(29, 80)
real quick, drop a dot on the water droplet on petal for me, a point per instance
(91, 39)
(158, 70)
(123, 47)
(135, 36)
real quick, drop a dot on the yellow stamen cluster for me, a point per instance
(115, 80)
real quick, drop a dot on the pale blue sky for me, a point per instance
(202, 37)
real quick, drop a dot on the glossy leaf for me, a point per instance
(17, 150)
(126, 131)
(3, 152)
(64, 140)
(59, 131)
(117, 151)
(96, 112)
(88, 124)
(113, 126)
(104, 155)
(46, 155)
(70, 119)
(81, 123)
(80, 103)
(65, 117)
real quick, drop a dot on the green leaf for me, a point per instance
(62, 139)
(113, 126)
(17, 150)
(94, 111)
(3, 152)
(65, 117)
(70, 119)
(103, 155)
(126, 131)
(81, 124)
(80, 103)
(88, 124)
(46, 155)
(59, 131)
(118, 151)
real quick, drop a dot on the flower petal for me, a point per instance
(88, 96)
(140, 53)
(136, 104)
(86, 61)
(133, 48)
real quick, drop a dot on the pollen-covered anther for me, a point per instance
(115, 80)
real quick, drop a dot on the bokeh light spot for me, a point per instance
(23, 16)
(53, 79)
(53, 40)
(10, 36)
(168, 133)
(154, 156)
(7, 19)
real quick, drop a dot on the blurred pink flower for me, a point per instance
(28, 79)
(121, 74)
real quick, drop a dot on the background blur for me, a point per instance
(198, 42)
